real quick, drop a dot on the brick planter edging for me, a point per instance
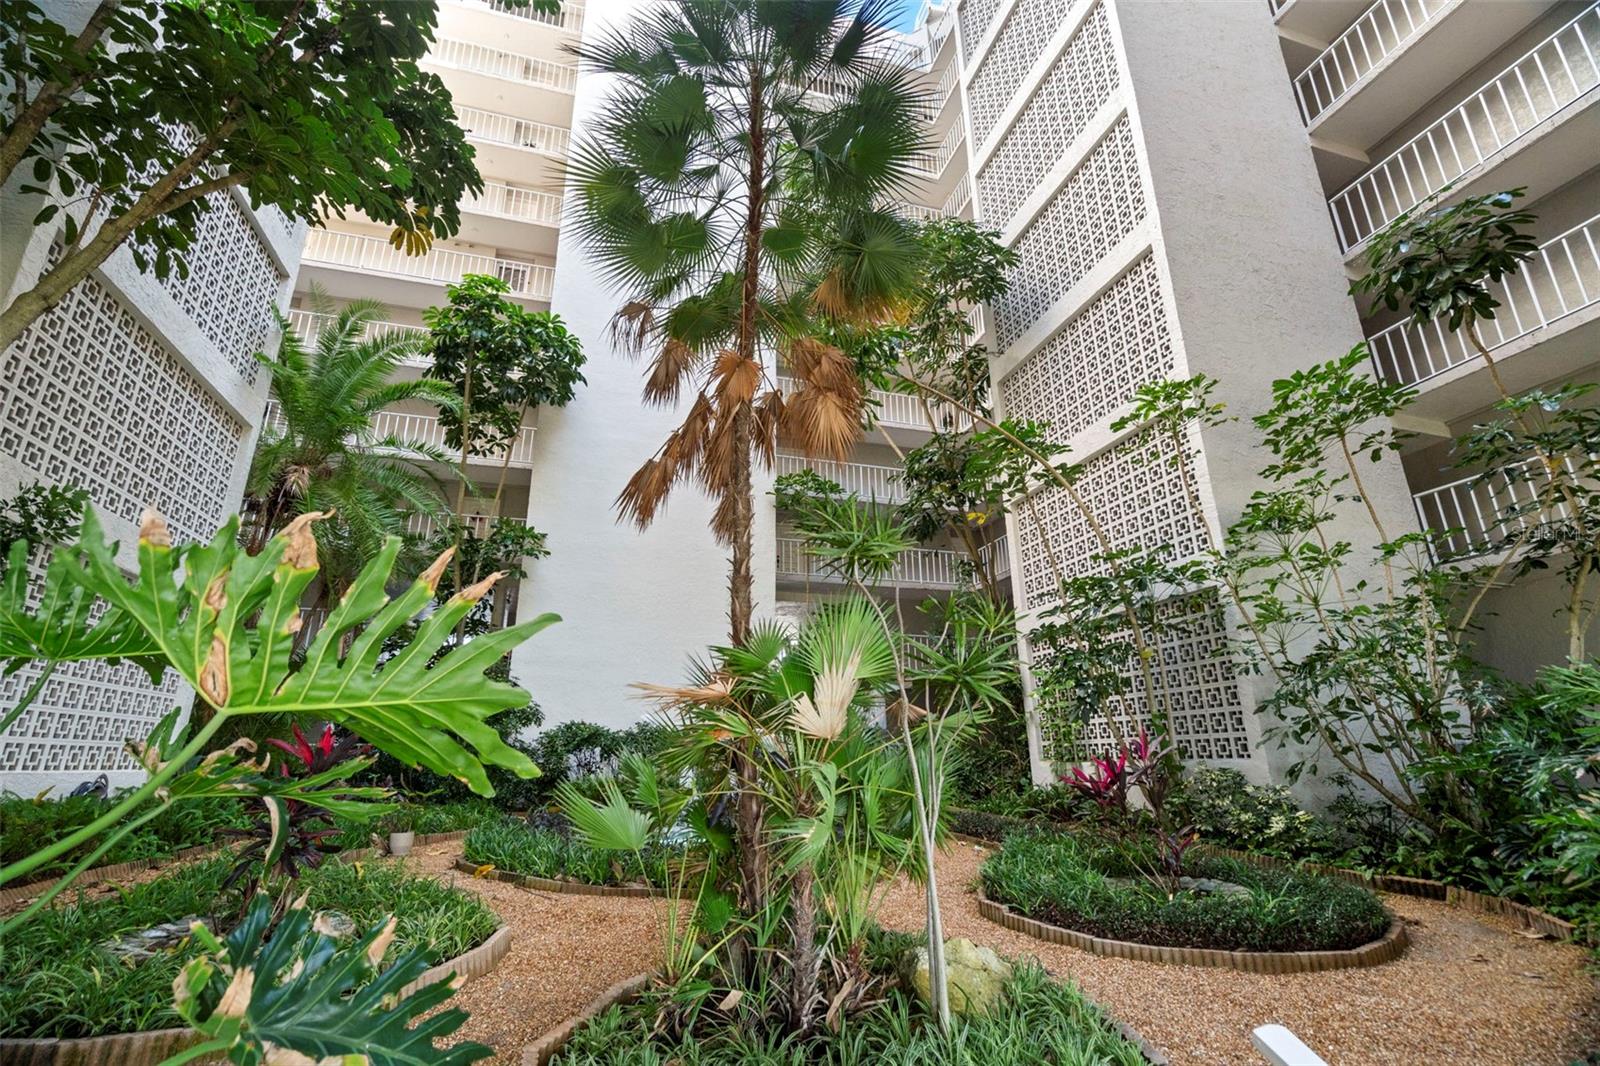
(1385, 949)
(440, 838)
(1478, 902)
(28, 890)
(152, 1047)
(542, 1050)
(571, 888)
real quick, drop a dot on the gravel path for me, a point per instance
(1469, 991)
(565, 951)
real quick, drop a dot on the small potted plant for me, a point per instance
(401, 836)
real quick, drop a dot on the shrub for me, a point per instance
(1096, 886)
(28, 824)
(514, 846)
(57, 979)
(575, 750)
(1227, 809)
(983, 825)
(1042, 1021)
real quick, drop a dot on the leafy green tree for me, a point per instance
(502, 361)
(328, 456)
(126, 124)
(42, 515)
(729, 190)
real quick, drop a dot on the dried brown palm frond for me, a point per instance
(646, 491)
(902, 711)
(833, 297)
(685, 444)
(818, 363)
(736, 378)
(821, 722)
(822, 422)
(768, 416)
(717, 691)
(633, 325)
(672, 364)
(725, 519)
(719, 458)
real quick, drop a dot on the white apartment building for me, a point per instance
(1188, 187)
(142, 392)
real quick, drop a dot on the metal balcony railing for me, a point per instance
(570, 18)
(1381, 31)
(1560, 72)
(1477, 514)
(997, 556)
(1561, 278)
(914, 212)
(480, 525)
(932, 164)
(956, 202)
(513, 66)
(509, 201)
(932, 568)
(443, 265)
(427, 430)
(514, 132)
(867, 480)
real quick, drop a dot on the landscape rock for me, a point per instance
(975, 976)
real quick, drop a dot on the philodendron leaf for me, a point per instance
(62, 626)
(301, 991)
(228, 625)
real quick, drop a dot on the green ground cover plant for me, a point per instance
(58, 980)
(1099, 886)
(1041, 1021)
(29, 823)
(512, 845)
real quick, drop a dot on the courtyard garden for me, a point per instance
(824, 842)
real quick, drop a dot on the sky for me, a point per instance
(906, 13)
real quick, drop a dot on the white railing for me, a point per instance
(957, 200)
(513, 66)
(376, 255)
(480, 525)
(509, 201)
(1479, 514)
(997, 557)
(1562, 277)
(512, 131)
(1557, 73)
(898, 409)
(917, 567)
(1381, 30)
(933, 105)
(570, 18)
(869, 481)
(412, 428)
(307, 324)
(913, 212)
(932, 163)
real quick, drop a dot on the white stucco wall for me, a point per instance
(635, 606)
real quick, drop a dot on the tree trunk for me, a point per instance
(31, 118)
(803, 990)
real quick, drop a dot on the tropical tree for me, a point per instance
(126, 123)
(728, 189)
(327, 455)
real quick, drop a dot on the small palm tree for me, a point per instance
(729, 191)
(323, 452)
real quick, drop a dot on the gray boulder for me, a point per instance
(975, 976)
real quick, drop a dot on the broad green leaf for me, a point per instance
(64, 626)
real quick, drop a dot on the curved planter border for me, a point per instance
(1385, 949)
(150, 1048)
(94, 876)
(542, 1050)
(570, 888)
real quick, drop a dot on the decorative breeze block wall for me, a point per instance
(1080, 82)
(232, 284)
(1100, 204)
(1195, 678)
(1091, 366)
(1013, 52)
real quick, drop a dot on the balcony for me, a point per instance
(494, 63)
(923, 568)
(959, 197)
(932, 164)
(1562, 278)
(522, 205)
(1381, 31)
(479, 525)
(307, 324)
(443, 266)
(425, 430)
(1561, 74)
(1481, 514)
(570, 17)
(513, 132)
(869, 481)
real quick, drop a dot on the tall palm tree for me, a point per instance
(728, 190)
(325, 454)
